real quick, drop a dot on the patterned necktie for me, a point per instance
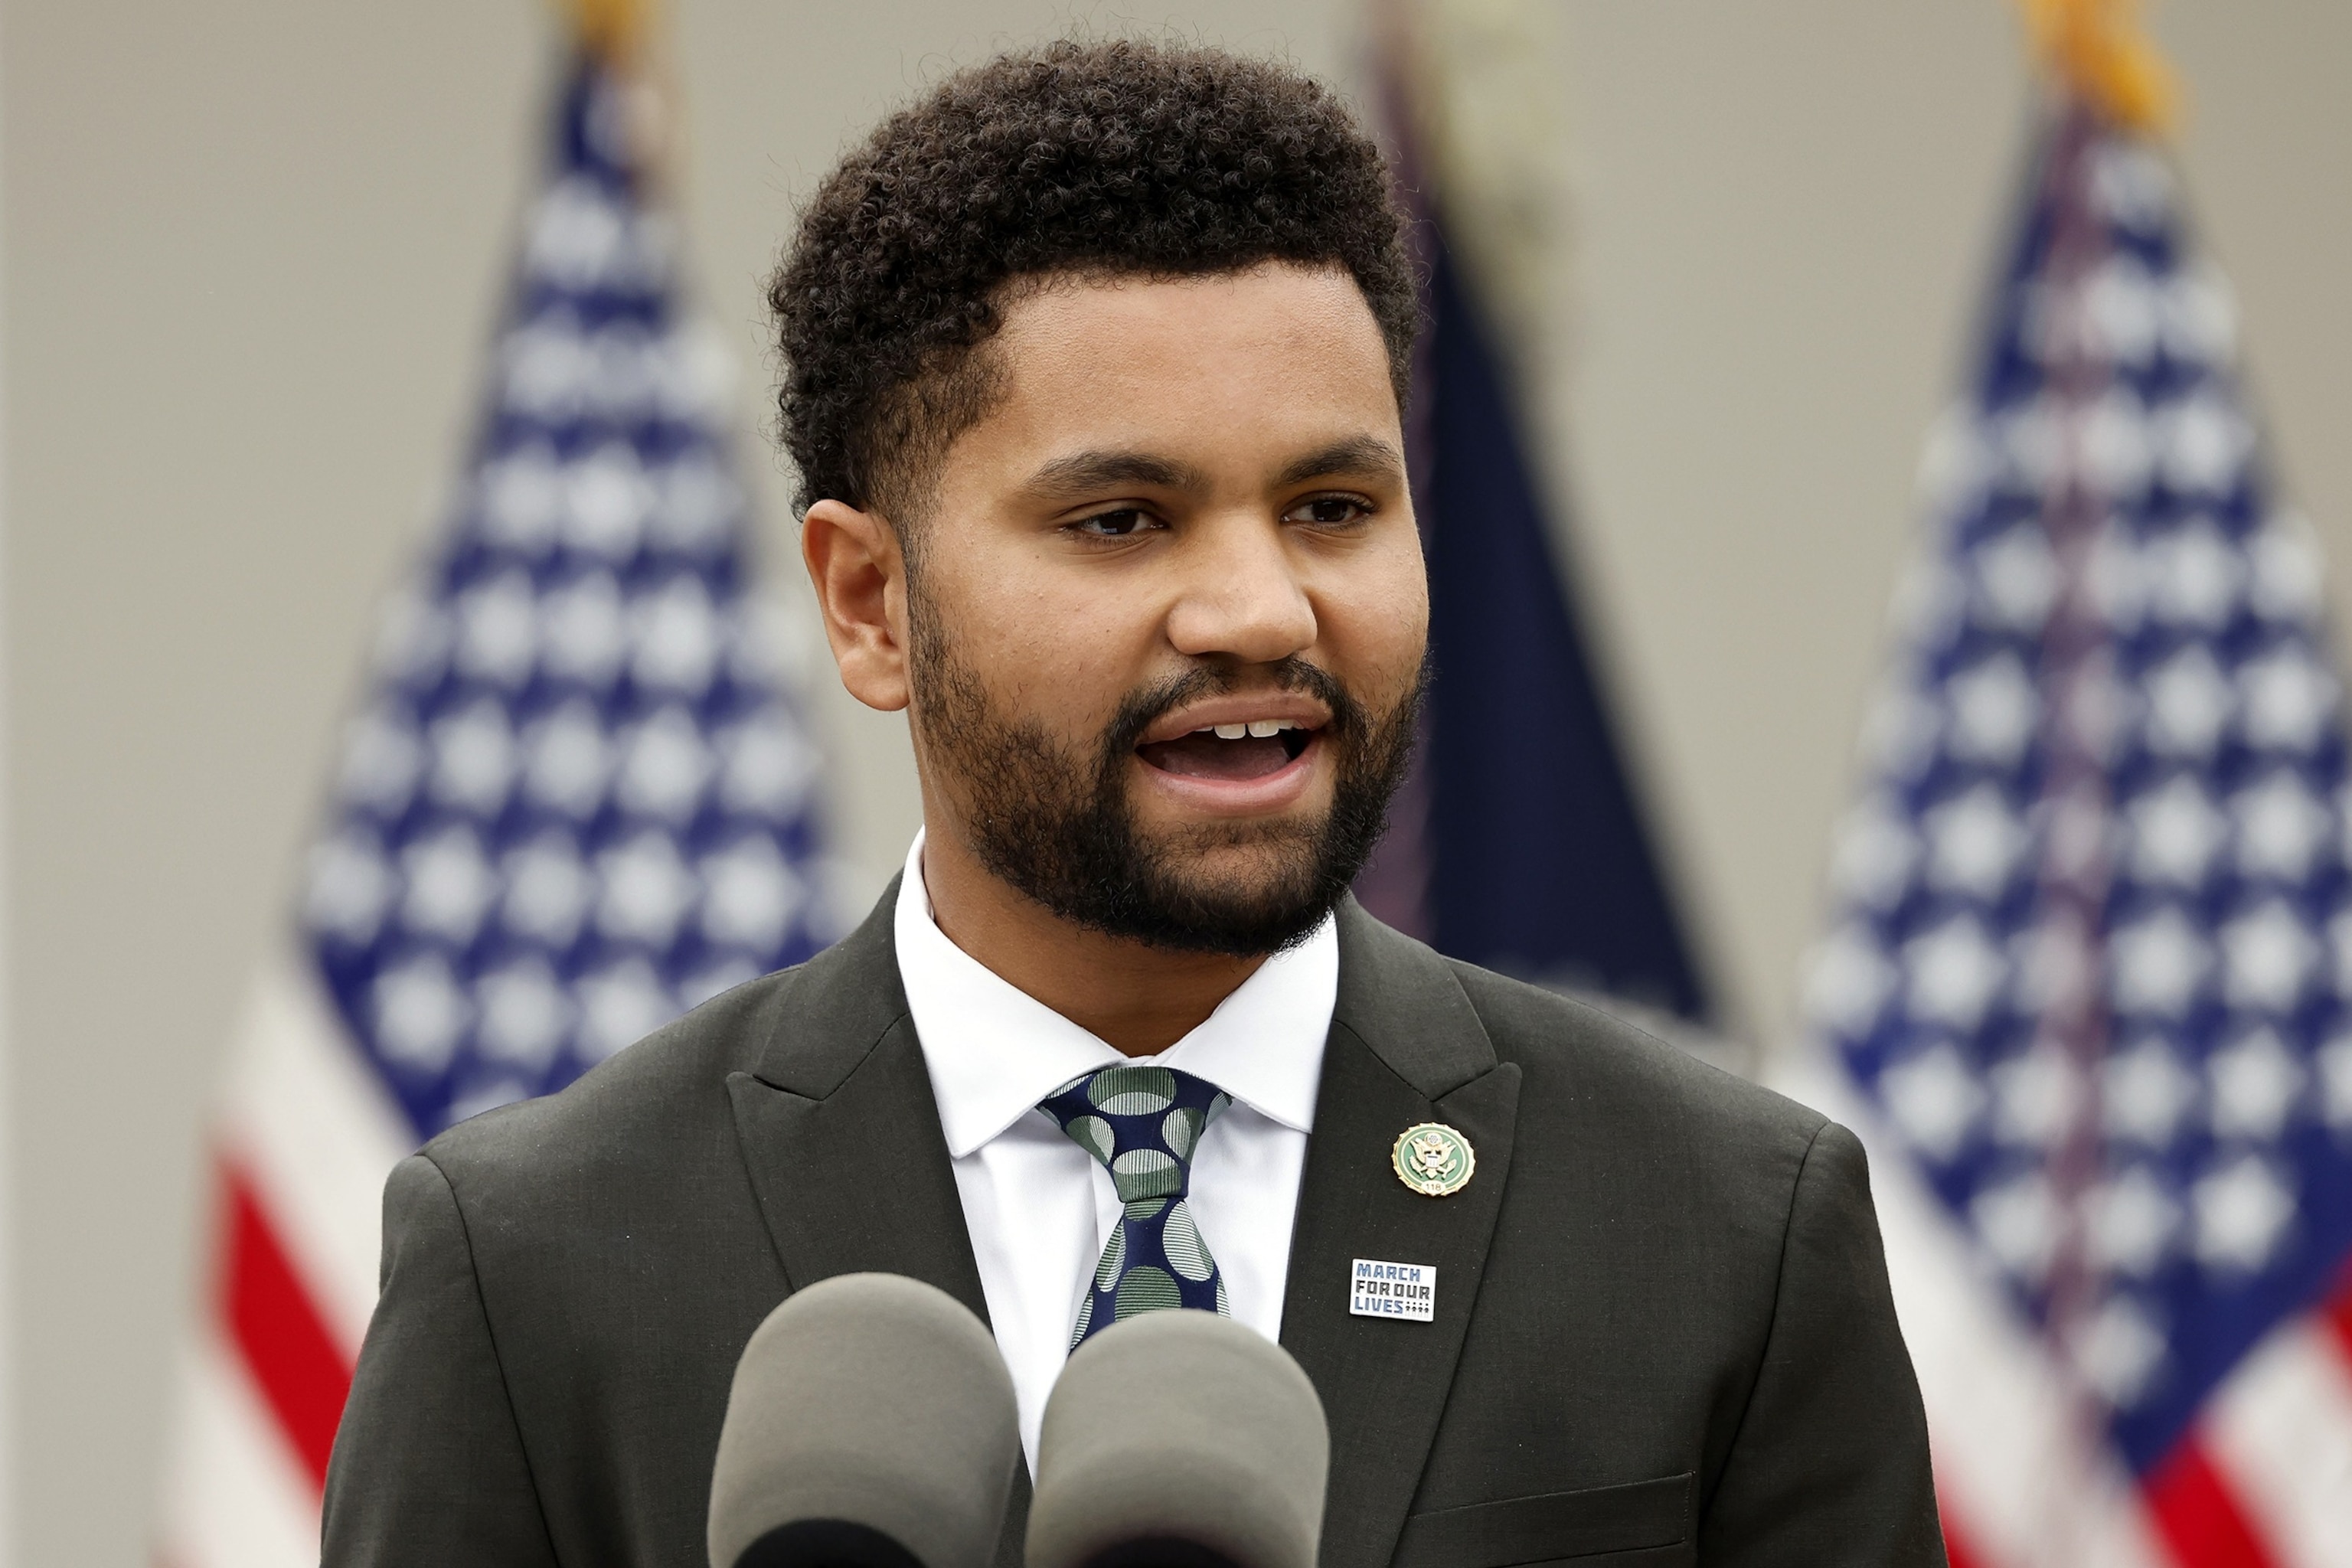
(1142, 1125)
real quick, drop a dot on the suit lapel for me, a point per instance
(840, 1132)
(841, 1136)
(1405, 1046)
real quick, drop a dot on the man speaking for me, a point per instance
(1094, 365)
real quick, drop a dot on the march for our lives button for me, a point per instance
(1407, 1290)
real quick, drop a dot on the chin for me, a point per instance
(1237, 863)
(1240, 889)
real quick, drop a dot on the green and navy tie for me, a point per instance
(1143, 1125)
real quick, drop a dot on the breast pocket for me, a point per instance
(1648, 1522)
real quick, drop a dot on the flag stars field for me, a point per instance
(576, 800)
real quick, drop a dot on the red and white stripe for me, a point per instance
(2264, 1482)
(306, 1136)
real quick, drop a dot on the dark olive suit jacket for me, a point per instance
(1663, 1330)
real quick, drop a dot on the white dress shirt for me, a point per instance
(1040, 1209)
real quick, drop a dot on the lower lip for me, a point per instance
(1285, 786)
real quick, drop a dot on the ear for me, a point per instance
(860, 575)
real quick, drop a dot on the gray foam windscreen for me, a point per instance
(1180, 1438)
(871, 1423)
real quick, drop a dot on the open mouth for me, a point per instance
(1233, 752)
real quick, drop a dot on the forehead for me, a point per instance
(1275, 353)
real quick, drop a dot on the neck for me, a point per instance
(1139, 999)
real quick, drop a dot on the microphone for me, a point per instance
(871, 1425)
(1180, 1439)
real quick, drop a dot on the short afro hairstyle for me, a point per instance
(1122, 158)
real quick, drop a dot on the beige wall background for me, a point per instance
(252, 253)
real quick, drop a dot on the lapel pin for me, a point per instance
(1407, 1290)
(1433, 1160)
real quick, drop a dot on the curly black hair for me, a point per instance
(1122, 157)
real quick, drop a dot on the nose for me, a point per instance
(1241, 597)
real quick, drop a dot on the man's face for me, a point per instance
(1166, 610)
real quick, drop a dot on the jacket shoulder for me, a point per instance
(664, 1100)
(644, 1108)
(1621, 1074)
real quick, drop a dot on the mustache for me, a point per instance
(1143, 707)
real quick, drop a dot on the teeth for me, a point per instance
(1258, 728)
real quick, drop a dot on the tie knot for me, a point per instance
(1142, 1123)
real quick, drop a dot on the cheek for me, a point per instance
(1376, 617)
(1053, 648)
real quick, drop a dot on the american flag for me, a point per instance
(2089, 977)
(573, 801)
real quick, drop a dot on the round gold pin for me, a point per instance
(1433, 1160)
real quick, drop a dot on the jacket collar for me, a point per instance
(823, 1024)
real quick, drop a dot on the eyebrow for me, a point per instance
(1351, 455)
(1081, 472)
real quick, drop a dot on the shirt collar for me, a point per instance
(993, 1051)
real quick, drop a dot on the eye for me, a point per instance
(1330, 511)
(1120, 522)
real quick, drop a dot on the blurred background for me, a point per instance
(253, 256)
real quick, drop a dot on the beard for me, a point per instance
(1055, 820)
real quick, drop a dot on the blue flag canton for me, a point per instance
(576, 801)
(2216, 1197)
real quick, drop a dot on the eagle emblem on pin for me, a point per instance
(1433, 1160)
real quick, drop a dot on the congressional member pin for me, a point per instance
(1433, 1160)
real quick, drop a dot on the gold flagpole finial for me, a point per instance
(2098, 51)
(612, 28)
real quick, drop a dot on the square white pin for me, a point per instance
(1406, 1291)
